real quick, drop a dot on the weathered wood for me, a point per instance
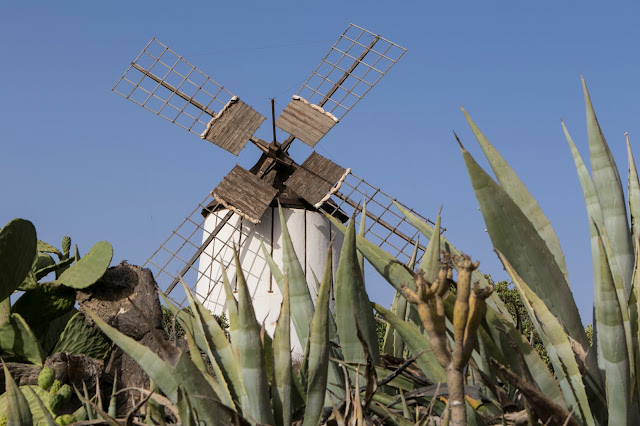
(233, 126)
(244, 193)
(315, 178)
(305, 121)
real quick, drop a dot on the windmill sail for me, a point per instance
(162, 82)
(354, 64)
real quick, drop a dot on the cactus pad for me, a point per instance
(56, 401)
(89, 269)
(17, 251)
(46, 378)
(79, 337)
(55, 387)
(66, 419)
(65, 391)
(44, 303)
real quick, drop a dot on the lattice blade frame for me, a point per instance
(363, 72)
(385, 226)
(161, 81)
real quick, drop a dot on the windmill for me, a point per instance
(242, 210)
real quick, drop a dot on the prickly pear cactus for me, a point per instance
(44, 303)
(55, 387)
(46, 378)
(56, 401)
(79, 337)
(89, 269)
(65, 391)
(66, 246)
(66, 419)
(17, 250)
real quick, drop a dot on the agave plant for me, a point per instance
(598, 384)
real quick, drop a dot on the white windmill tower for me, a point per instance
(242, 210)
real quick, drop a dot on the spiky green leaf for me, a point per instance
(611, 194)
(282, 369)
(248, 347)
(558, 347)
(319, 349)
(517, 190)
(352, 299)
(515, 236)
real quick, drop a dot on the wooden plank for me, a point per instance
(244, 193)
(305, 121)
(315, 178)
(233, 126)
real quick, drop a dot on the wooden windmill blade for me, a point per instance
(164, 83)
(355, 63)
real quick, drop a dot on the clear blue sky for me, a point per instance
(79, 160)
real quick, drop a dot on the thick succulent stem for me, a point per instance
(468, 312)
(455, 381)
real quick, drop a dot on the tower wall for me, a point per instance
(311, 233)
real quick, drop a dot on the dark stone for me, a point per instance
(126, 298)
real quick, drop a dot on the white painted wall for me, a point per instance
(310, 232)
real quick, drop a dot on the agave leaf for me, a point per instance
(634, 192)
(545, 407)
(610, 193)
(167, 375)
(503, 334)
(38, 414)
(186, 412)
(351, 297)
(301, 302)
(558, 347)
(17, 339)
(514, 235)
(388, 341)
(18, 412)
(301, 312)
(634, 318)
(597, 231)
(282, 370)
(416, 343)
(385, 413)
(393, 271)
(232, 305)
(362, 229)
(319, 348)
(248, 346)
(430, 264)
(518, 192)
(426, 230)
(613, 345)
(17, 254)
(206, 330)
(46, 414)
(86, 271)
